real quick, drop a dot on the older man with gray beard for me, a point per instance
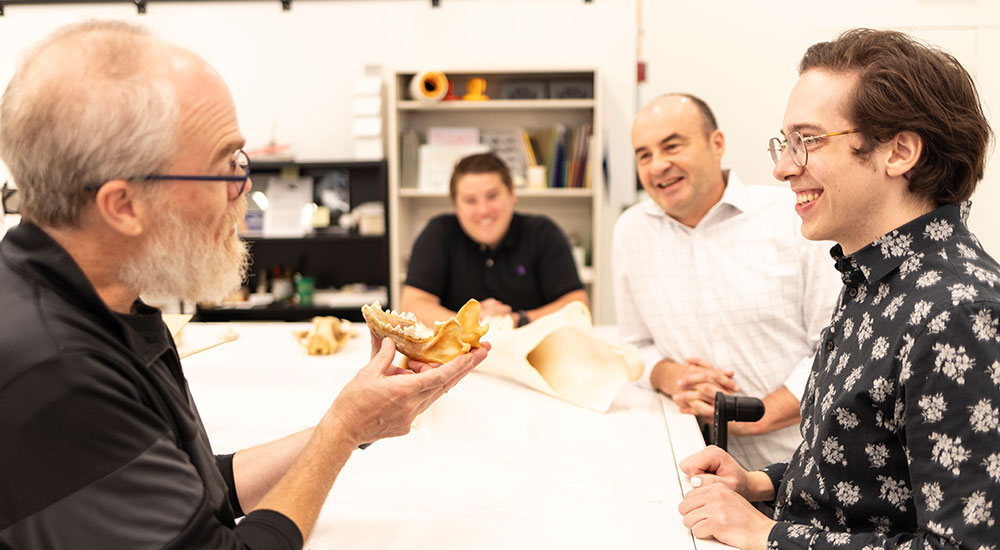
(129, 156)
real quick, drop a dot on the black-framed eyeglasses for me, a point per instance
(240, 165)
(796, 144)
(11, 199)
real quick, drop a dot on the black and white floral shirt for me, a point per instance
(900, 418)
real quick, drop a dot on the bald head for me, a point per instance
(677, 103)
(90, 103)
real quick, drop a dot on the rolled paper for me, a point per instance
(560, 355)
(428, 87)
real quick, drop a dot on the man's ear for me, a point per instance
(117, 205)
(718, 141)
(904, 152)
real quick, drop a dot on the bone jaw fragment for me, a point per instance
(446, 341)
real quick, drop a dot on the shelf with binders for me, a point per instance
(561, 146)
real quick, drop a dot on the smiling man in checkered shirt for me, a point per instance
(884, 141)
(714, 282)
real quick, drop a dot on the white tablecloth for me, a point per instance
(490, 465)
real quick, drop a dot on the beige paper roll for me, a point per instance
(428, 87)
(560, 355)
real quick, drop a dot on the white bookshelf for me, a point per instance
(577, 210)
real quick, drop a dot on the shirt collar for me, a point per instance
(888, 252)
(36, 256)
(736, 194)
(735, 200)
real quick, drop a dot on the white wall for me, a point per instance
(743, 60)
(293, 73)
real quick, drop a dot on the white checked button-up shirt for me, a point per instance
(743, 290)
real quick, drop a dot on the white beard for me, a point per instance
(184, 261)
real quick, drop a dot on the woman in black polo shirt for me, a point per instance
(514, 264)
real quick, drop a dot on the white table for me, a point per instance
(491, 465)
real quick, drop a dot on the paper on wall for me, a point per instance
(287, 200)
(438, 161)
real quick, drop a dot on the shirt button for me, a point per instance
(853, 291)
(489, 262)
(829, 345)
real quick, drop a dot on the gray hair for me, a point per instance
(87, 105)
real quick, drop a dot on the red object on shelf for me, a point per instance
(450, 95)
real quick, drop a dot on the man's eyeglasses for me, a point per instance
(797, 146)
(11, 200)
(239, 164)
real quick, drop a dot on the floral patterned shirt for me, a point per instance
(900, 417)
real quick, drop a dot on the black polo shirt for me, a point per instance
(101, 445)
(531, 267)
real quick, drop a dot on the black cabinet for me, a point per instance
(333, 258)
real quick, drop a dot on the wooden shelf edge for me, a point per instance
(497, 105)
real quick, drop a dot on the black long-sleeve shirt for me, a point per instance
(101, 445)
(900, 416)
